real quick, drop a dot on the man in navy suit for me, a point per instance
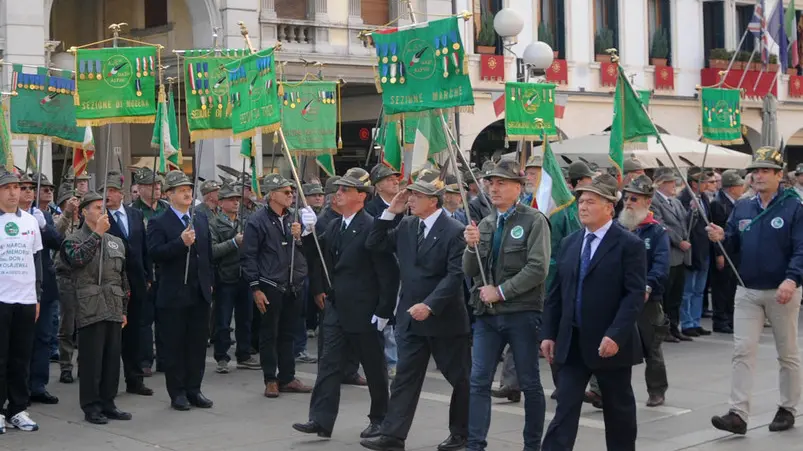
(431, 317)
(182, 308)
(128, 224)
(590, 321)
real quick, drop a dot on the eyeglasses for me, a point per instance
(47, 189)
(26, 188)
(633, 199)
(287, 192)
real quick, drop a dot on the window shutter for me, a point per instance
(291, 9)
(375, 12)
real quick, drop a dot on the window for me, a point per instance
(660, 20)
(552, 15)
(743, 15)
(155, 13)
(606, 21)
(291, 9)
(713, 26)
(375, 12)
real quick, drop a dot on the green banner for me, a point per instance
(254, 95)
(721, 116)
(207, 92)
(526, 102)
(423, 67)
(6, 153)
(392, 150)
(327, 164)
(43, 106)
(116, 85)
(309, 116)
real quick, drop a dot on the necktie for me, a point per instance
(497, 239)
(421, 228)
(121, 223)
(343, 227)
(186, 220)
(585, 261)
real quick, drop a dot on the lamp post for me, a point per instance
(538, 56)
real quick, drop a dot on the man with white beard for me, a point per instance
(532, 170)
(652, 324)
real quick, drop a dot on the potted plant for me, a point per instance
(603, 41)
(660, 48)
(545, 35)
(740, 62)
(772, 67)
(791, 70)
(718, 59)
(486, 39)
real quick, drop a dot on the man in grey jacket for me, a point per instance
(513, 244)
(670, 212)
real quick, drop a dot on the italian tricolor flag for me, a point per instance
(553, 195)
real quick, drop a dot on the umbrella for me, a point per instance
(769, 122)
(687, 152)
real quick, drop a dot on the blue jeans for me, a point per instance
(691, 309)
(391, 355)
(491, 334)
(40, 357)
(300, 328)
(236, 298)
(54, 341)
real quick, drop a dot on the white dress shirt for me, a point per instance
(429, 221)
(122, 221)
(599, 233)
(347, 221)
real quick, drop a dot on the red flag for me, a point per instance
(560, 105)
(80, 158)
(499, 102)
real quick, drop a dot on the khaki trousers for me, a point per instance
(751, 307)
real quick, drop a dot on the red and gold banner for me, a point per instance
(795, 86)
(492, 67)
(558, 72)
(608, 74)
(664, 78)
(710, 77)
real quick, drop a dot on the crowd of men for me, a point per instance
(388, 275)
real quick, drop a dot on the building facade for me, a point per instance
(322, 35)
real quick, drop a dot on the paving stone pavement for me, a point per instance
(243, 420)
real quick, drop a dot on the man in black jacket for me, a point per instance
(128, 224)
(386, 186)
(182, 308)
(274, 269)
(431, 318)
(723, 280)
(696, 203)
(353, 319)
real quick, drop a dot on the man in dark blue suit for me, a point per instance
(182, 308)
(128, 224)
(431, 317)
(590, 321)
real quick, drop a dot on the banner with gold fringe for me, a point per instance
(721, 116)
(254, 94)
(423, 67)
(310, 112)
(43, 106)
(526, 102)
(116, 85)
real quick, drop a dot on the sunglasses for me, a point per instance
(47, 189)
(26, 188)
(631, 199)
(287, 192)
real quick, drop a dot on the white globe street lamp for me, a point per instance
(539, 55)
(508, 23)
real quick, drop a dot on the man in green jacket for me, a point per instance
(512, 245)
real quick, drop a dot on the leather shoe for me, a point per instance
(371, 431)
(180, 403)
(147, 372)
(312, 427)
(140, 389)
(272, 390)
(44, 398)
(453, 443)
(200, 401)
(96, 418)
(355, 379)
(783, 420)
(295, 386)
(66, 377)
(730, 422)
(723, 330)
(690, 332)
(383, 443)
(117, 414)
(590, 397)
(702, 332)
(671, 339)
(507, 392)
(655, 400)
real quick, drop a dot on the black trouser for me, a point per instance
(723, 291)
(452, 357)
(256, 325)
(276, 336)
(131, 338)
(17, 330)
(653, 327)
(674, 295)
(338, 346)
(99, 364)
(184, 332)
